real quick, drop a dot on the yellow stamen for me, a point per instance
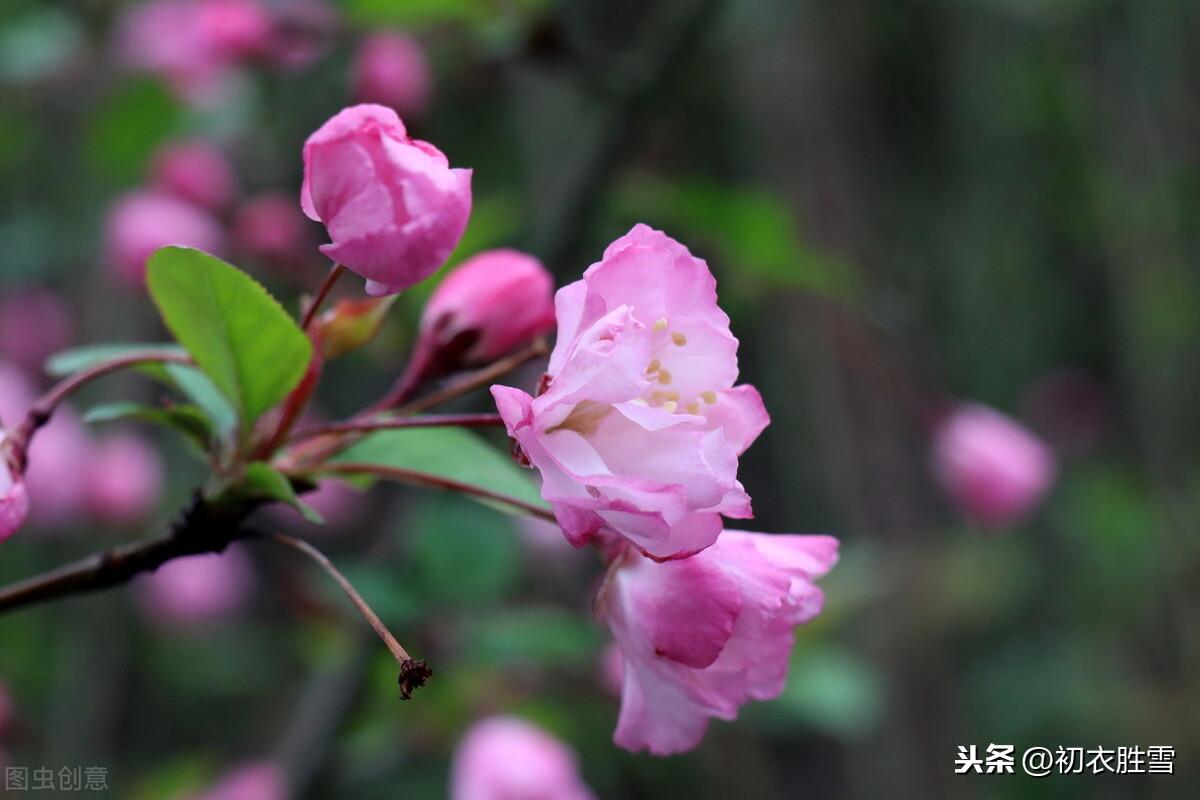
(672, 396)
(679, 339)
(654, 366)
(709, 397)
(664, 377)
(661, 325)
(670, 406)
(693, 407)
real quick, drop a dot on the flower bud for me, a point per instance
(141, 222)
(351, 324)
(195, 171)
(268, 228)
(392, 205)
(505, 758)
(991, 467)
(14, 500)
(391, 69)
(489, 306)
(124, 479)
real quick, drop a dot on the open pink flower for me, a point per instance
(391, 69)
(702, 636)
(124, 479)
(392, 205)
(486, 307)
(143, 221)
(196, 171)
(505, 758)
(641, 427)
(993, 468)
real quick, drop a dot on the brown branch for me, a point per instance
(413, 672)
(428, 481)
(201, 528)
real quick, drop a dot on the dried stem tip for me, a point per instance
(413, 674)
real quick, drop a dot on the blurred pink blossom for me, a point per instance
(57, 458)
(34, 324)
(704, 635)
(392, 205)
(641, 427)
(391, 69)
(124, 481)
(993, 468)
(269, 228)
(303, 32)
(506, 758)
(196, 171)
(14, 501)
(143, 221)
(258, 780)
(197, 590)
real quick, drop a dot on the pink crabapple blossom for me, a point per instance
(393, 206)
(14, 501)
(196, 171)
(994, 469)
(143, 221)
(124, 481)
(702, 636)
(641, 426)
(391, 69)
(506, 758)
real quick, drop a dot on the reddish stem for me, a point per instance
(368, 425)
(310, 314)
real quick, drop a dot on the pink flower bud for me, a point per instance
(195, 171)
(391, 69)
(505, 758)
(14, 501)
(994, 469)
(392, 205)
(234, 29)
(259, 780)
(197, 590)
(489, 306)
(34, 324)
(268, 228)
(141, 222)
(124, 479)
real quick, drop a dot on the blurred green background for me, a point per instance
(904, 203)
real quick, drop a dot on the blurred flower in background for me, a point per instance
(141, 222)
(251, 781)
(124, 480)
(194, 170)
(506, 758)
(994, 469)
(270, 230)
(391, 69)
(34, 324)
(197, 591)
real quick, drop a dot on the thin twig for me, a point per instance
(474, 380)
(435, 482)
(413, 673)
(310, 314)
(393, 423)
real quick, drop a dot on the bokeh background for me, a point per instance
(907, 205)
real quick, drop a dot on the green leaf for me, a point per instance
(263, 481)
(461, 554)
(187, 419)
(197, 387)
(80, 358)
(451, 453)
(238, 334)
